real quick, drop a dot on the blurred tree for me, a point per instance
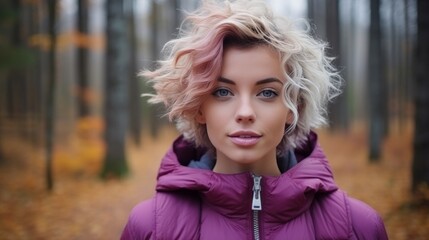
(116, 90)
(16, 59)
(396, 56)
(316, 11)
(349, 28)
(154, 22)
(7, 17)
(338, 109)
(161, 25)
(13, 54)
(376, 84)
(421, 132)
(50, 100)
(323, 14)
(134, 88)
(83, 105)
(407, 49)
(34, 90)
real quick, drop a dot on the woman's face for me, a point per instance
(245, 116)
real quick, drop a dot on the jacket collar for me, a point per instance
(283, 197)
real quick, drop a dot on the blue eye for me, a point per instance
(222, 92)
(268, 94)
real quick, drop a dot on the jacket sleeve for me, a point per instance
(367, 223)
(141, 222)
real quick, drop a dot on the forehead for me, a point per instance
(257, 62)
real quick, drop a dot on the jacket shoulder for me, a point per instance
(366, 222)
(162, 217)
(331, 216)
(180, 209)
(141, 221)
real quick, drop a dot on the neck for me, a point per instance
(267, 167)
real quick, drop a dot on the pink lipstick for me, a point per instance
(245, 138)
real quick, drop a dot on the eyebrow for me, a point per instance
(260, 82)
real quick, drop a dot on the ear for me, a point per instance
(200, 117)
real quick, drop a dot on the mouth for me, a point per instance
(245, 138)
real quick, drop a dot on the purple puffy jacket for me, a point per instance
(193, 202)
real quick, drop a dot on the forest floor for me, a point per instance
(81, 206)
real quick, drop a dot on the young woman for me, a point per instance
(245, 89)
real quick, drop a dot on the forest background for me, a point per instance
(79, 146)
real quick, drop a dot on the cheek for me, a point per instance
(278, 130)
(277, 120)
(214, 119)
(279, 125)
(206, 112)
(214, 113)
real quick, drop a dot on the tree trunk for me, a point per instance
(116, 94)
(84, 108)
(153, 118)
(35, 80)
(421, 133)
(338, 114)
(375, 84)
(316, 12)
(407, 63)
(50, 100)
(134, 88)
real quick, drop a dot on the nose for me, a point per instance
(245, 111)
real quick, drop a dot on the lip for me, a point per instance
(245, 138)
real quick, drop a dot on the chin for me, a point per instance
(244, 159)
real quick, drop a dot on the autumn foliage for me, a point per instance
(85, 149)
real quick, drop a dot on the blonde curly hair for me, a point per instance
(193, 64)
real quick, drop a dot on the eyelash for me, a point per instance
(273, 94)
(217, 92)
(227, 93)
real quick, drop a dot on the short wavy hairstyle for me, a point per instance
(193, 61)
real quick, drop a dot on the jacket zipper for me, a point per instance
(256, 205)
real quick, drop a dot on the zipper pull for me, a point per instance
(256, 202)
